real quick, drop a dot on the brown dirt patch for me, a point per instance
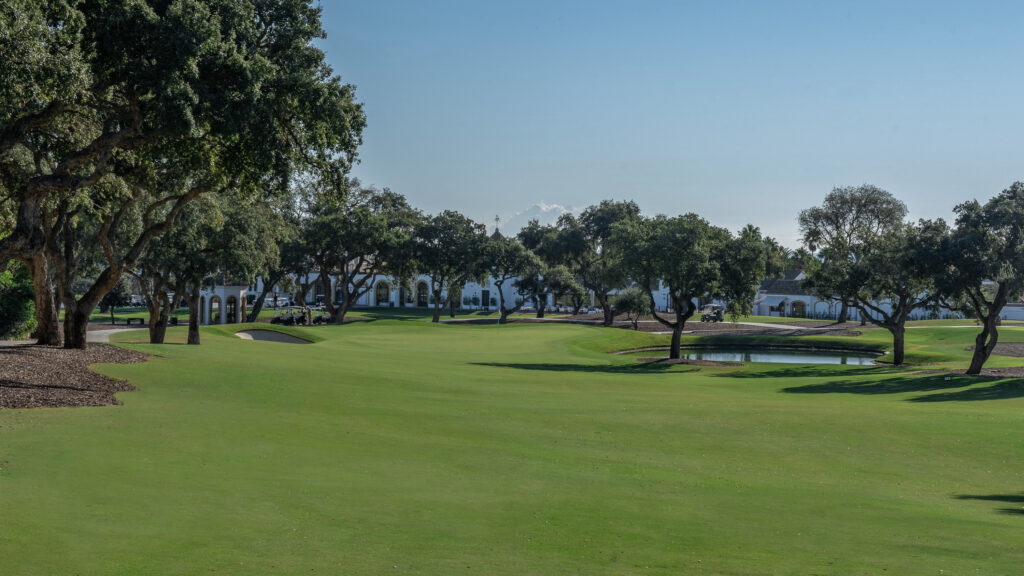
(648, 324)
(1009, 372)
(1015, 349)
(49, 377)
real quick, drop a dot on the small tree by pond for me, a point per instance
(634, 303)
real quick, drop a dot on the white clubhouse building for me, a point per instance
(782, 297)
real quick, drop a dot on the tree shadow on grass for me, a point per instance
(975, 388)
(1002, 390)
(5, 383)
(1005, 498)
(814, 371)
(896, 385)
(644, 368)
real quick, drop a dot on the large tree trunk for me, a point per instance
(192, 299)
(984, 343)
(300, 296)
(325, 283)
(76, 324)
(502, 311)
(541, 305)
(437, 307)
(338, 316)
(606, 307)
(677, 336)
(898, 334)
(577, 305)
(77, 311)
(28, 237)
(159, 330)
(844, 312)
(257, 304)
(157, 318)
(47, 329)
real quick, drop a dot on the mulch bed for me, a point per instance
(1015, 349)
(50, 377)
(699, 328)
(1010, 372)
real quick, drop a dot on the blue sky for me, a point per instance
(739, 111)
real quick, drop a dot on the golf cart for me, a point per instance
(289, 316)
(712, 313)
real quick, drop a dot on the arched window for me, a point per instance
(422, 298)
(382, 294)
(215, 310)
(798, 309)
(231, 310)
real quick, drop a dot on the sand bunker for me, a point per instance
(270, 336)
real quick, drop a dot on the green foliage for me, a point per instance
(693, 260)
(156, 104)
(449, 248)
(119, 296)
(633, 302)
(849, 217)
(987, 245)
(506, 259)
(984, 263)
(585, 245)
(17, 309)
(776, 258)
(544, 241)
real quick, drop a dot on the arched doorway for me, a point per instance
(202, 310)
(215, 310)
(798, 309)
(382, 294)
(421, 295)
(231, 310)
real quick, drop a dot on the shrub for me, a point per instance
(17, 305)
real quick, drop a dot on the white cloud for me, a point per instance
(543, 212)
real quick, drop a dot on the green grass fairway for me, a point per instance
(403, 447)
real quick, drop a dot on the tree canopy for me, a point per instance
(693, 260)
(983, 261)
(153, 104)
(585, 244)
(446, 247)
(848, 217)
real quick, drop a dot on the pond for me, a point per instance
(780, 356)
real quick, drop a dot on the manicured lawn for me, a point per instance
(402, 447)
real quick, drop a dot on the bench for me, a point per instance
(128, 321)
